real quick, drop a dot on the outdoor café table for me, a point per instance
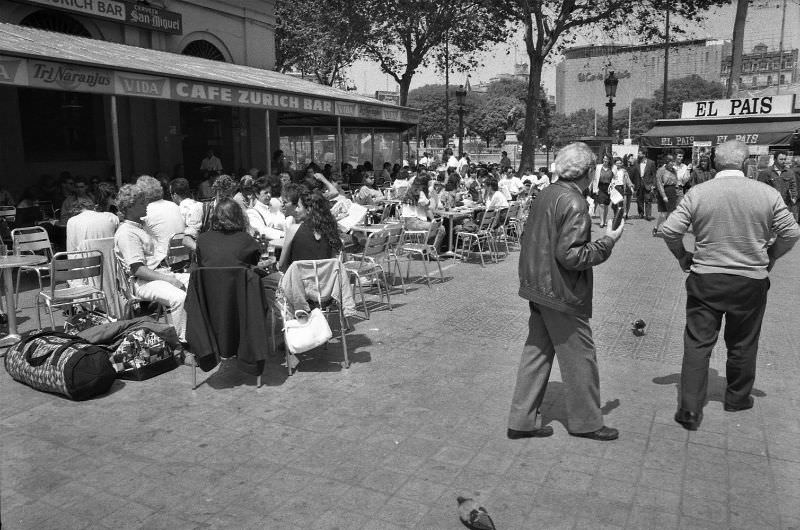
(7, 263)
(456, 213)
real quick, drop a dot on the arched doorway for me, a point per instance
(206, 127)
(56, 125)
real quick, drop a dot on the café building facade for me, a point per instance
(111, 88)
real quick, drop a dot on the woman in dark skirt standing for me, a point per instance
(602, 180)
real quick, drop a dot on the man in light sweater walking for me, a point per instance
(734, 218)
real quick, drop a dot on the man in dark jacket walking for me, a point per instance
(555, 270)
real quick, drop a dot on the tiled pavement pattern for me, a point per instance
(420, 418)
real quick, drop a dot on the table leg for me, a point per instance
(449, 252)
(12, 337)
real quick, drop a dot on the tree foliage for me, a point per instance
(550, 25)
(319, 38)
(488, 115)
(406, 35)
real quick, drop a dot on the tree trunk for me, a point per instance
(405, 85)
(738, 46)
(528, 158)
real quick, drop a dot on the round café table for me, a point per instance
(7, 264)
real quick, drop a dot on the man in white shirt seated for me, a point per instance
(425, 160)
(510, 185)
(190, 209)
(528, 175)
(135, 249)
(497, 199)
(265, 215)
(163, 219)
(463, 165)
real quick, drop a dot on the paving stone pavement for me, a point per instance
(420, 418)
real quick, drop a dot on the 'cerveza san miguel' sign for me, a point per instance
(739, 107)
(246, 97)
(133, 14)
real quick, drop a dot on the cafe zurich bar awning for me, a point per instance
(752, 131)
(35, 58)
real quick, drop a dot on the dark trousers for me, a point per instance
(742, 301)
(644, 202)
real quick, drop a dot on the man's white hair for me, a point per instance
(731, 154)
(574, 161)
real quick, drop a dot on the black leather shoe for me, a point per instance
(603, 434)
(737, 408)
(689, 420)
(541, 432)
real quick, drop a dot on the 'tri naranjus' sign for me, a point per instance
(749, 107)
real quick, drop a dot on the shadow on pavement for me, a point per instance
(554, 408)
(716, 385)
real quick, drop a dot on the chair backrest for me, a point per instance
(124, 281)
(177, 251)
(46, 209)
(9, 213)
(311, 270)
(376, 243)
(32, 240)
(487, 220)
(387, 212)
(110, 272)
(76, 265)
(435, 225)
(513, 210)
(394, 236)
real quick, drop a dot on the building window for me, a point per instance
(203, 49)
(59, 125)
(769, 80)
(57, 22)
(783, 79)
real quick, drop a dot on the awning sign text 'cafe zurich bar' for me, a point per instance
(132, 14)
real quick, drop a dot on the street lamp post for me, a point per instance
(461, 95)
(611, 83)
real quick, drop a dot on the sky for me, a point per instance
(763, 26)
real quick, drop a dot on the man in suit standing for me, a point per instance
(781, 177)
(643, 177)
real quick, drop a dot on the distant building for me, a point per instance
(764, 68)
(640, 69)
(520, 72)
(388, 96)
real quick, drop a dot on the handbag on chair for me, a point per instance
(303, 334)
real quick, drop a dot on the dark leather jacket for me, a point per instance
(557, 256)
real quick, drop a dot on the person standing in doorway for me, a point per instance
(555, 272)
(210, 162)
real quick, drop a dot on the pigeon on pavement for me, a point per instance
(473, 515)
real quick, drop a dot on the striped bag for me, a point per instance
(60, 363)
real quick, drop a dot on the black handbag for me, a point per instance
(61, 363)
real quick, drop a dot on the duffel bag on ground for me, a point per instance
(64, 364)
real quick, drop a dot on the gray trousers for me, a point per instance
(553, 333)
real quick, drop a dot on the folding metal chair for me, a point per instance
(178, 254)
(366, 267)
(125, 287)
(424, 250)
(67, 266)
(479, 240)
(310, 272)
(32, 240)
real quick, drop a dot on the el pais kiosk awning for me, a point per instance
(757, 121)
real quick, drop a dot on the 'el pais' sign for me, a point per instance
(738, 107)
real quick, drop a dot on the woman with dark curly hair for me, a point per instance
(227, 244)
(316, 237)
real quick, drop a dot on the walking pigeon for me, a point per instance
(474, 516)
